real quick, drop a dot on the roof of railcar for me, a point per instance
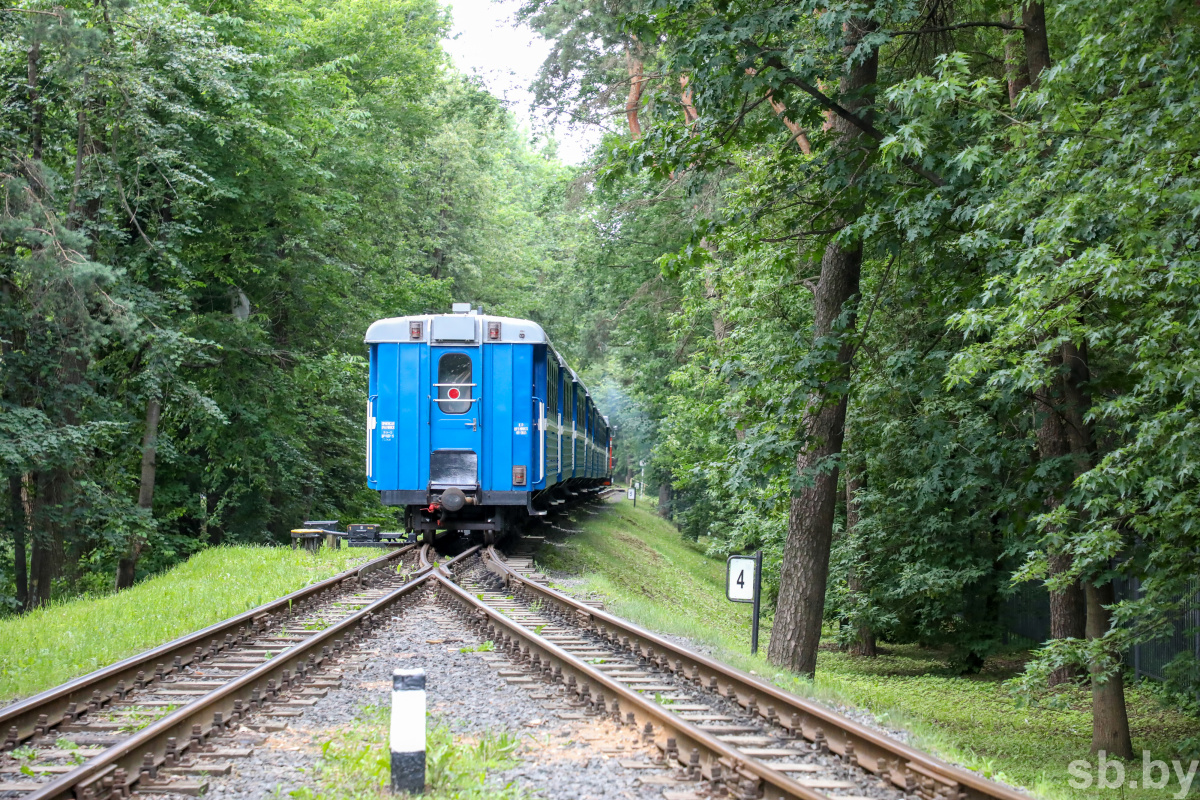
(512, 331)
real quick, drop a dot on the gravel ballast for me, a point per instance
(558, 757)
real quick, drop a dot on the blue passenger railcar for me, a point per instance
(475, 423)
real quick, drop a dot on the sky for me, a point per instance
(486, 41)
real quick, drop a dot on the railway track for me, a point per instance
(713, 723)
(157, 720)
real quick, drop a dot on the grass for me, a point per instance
(647, 573)
(70, 638)
(356, 765)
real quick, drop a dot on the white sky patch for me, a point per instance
(487, 41)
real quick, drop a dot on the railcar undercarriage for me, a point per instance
(487, 516)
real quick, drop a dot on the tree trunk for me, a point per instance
(690, 115)
(1068, 615)
(664, 500)
(1110, 722)
(87, 147)
(14, 342)
(720, 327)
(16, 506)
(204, 518)
(1077, 402)
(1062, 431)
(1067, 609)
(127, 565)
(633, 100)
(1037, 45)
(72, 373)
(1014, 63)
(864, 638)
(35, 108)
(1110, 719)
(77, 179)
(796, 632)
(47, 534)
(41, 573)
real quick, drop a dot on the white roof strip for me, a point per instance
(512, 331)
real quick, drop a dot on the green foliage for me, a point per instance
(664, 584)
(357, 763)
(458, 769)
(995, 226)
(1089, 236)
(206, 206)
(633, 556)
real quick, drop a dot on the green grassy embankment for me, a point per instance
(647, 573)
(71, 638)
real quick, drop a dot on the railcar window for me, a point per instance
(454, 383)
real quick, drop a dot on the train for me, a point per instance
(476, 424)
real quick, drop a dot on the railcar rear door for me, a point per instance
(455, 417)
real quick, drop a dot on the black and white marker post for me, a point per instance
(743, 584)
(408, 731)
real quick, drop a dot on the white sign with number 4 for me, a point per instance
(739, 579)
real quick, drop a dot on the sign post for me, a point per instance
(633, 496)
(743, 584)
(641, 486)
(407, 738)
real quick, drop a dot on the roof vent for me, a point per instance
(461, 308)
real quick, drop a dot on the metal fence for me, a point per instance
(1027, 615)
(1151, 658)
(1027, 621)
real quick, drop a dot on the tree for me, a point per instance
(207, 206)
(1004, 376)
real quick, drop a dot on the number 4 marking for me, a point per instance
(741, 579)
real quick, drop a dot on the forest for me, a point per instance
(902, 292)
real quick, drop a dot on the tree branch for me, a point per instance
(855, 120)
(862, 336)
(33, 11)
(1007, 26)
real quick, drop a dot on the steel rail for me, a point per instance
(429, 554)
(53, 703)
(800, 717)
(647, 715)
(151, 742)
